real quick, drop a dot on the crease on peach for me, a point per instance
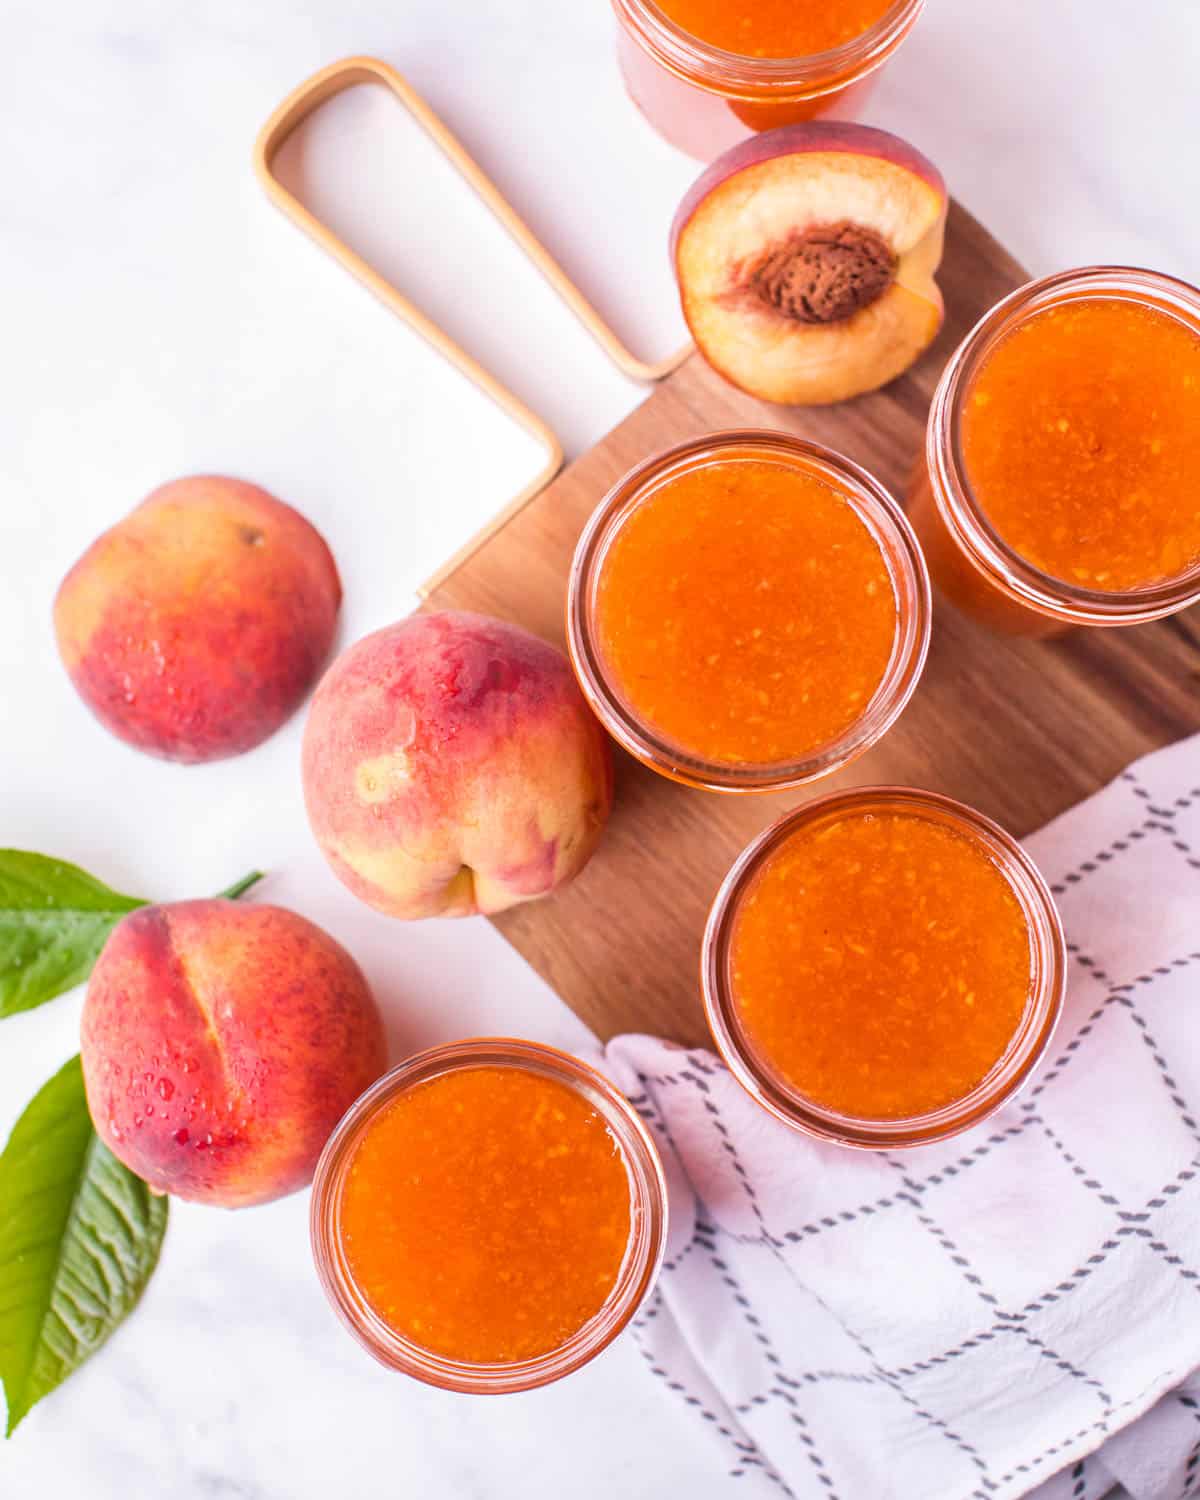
(199, 999)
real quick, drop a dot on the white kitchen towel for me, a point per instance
(969, 1319)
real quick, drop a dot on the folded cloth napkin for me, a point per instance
(1016, 1309)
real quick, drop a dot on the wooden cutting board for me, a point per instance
(1019, 729)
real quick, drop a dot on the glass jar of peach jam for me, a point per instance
(883, 967)
(703, 93)
(747, 612)
(488, 1216)
(1063, 440)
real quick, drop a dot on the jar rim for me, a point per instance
(1048, 956)
(717, 69)
(886, 522)
(961, 510)
(647, 1211)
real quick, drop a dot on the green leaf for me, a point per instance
(79, 1238)
(54, 918)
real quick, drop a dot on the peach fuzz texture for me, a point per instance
(451, 766)
(222, 1042)
(195, 626)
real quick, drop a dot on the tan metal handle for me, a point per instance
(309, 96)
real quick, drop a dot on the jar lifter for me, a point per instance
(301, 103)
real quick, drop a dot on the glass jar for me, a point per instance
(1029, 1042)
(970, 563)
(647, 1212)
(703, 99)
(883, 519)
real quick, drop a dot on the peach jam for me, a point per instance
(708, 73)
(882, 954)
(775, 28)
(753, 611)
(525, 1192)
(1064, 439)
(489, 1212)
(1081, 442)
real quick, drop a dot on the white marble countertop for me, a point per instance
(161, 319)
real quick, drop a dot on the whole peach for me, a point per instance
(222, 1043)
(452, 766)
(194, 627)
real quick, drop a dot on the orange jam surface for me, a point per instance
(775, 28)
(1081, 443)
(880, 963)
(485, 1214)
(745, 612)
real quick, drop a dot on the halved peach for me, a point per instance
(805, 259)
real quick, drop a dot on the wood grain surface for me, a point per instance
(1019, 729)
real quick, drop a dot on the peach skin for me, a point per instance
(221, 1043)
(451, 766)
(194, 627)
(805, 258)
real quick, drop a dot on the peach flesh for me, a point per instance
(451, 766)
(805, 260)
(221, 1044)
(194, 627)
